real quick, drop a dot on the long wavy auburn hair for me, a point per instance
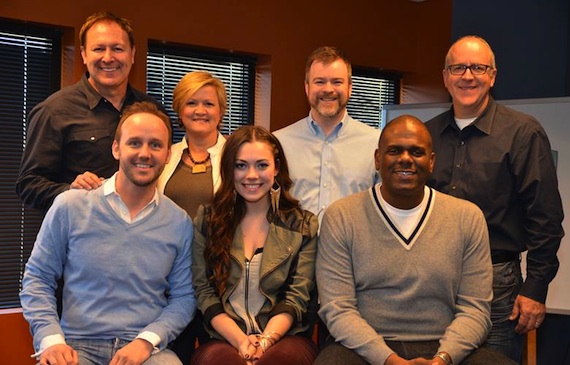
(229, 208)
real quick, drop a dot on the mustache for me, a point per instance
(327, 94)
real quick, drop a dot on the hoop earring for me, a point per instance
(275, 194)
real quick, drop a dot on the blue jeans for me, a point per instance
(507, 282)
(100, 352)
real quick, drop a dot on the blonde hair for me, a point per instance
(192, 82)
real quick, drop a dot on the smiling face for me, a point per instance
(404, 159)
(142, 150)
(202, 114)
(108, 56)
(255, 172)
(470, 93)
(328, 89)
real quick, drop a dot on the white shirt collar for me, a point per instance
(114, 199)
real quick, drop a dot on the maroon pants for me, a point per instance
(289, 350)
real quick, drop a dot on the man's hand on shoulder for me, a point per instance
(87, 181)
(135, 353)
(60, 354)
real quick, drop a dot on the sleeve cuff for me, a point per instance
(534, 289)
(213, 311)
(49, 341)
(152, 338)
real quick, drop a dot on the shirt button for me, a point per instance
(458, 165)
(92, 138)
(462, 143)
(453, 187)
(325, 185)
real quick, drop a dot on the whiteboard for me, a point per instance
(554, 115)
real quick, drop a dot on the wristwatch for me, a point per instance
(445, 357)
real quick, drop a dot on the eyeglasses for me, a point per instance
(476, 69)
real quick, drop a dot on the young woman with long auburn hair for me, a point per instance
(254, 255)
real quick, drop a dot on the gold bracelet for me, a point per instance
(273, 337)
(264, 344)
(268, 339)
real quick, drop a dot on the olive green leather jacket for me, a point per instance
(287, 270)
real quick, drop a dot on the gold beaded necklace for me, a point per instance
(199, 166)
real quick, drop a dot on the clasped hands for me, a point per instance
(249, 349)
(394, 359)
(253, 346)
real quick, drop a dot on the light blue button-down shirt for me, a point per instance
(325, 169)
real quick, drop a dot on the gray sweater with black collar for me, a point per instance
(375, 284)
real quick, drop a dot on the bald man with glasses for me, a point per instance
(501, 160)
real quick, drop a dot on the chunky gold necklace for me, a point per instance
(199, 166)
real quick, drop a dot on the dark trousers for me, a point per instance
(297, 350)
(336, 354)
(185, 343)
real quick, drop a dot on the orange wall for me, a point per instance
(396, 35)
(15, 340)
(399, 35)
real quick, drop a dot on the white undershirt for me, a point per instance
(406, 220)
(464, 122)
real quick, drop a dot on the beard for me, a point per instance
(141, 179)
(331, 108)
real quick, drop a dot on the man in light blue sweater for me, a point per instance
(123, 251)
(404, 272)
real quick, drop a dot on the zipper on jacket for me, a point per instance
(246, 296)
